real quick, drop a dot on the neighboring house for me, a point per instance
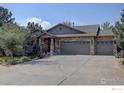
(78, 40)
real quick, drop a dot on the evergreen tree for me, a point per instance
(119, 32)
(68, 23)
(33, 39)
(12, 38)
(106, 26)
(5, 16)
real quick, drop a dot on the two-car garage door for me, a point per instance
(83, 48)
(75, 47)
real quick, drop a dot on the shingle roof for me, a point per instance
(45, 32)
(106, 32)
(94, 30)
(73, 28)
(89, 29)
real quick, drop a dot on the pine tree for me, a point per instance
(106, 26)
(119, 33)
(5, 16)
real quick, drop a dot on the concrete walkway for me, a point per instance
(65, 70)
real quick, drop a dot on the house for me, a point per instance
(78, 40)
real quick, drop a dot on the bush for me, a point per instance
(1, 61)
(12, 37)
(34, 57)
(8, 60)
(24, 59)
(119, 55)
(14, 60)
(1, 52)
(11, 61)
(123, 62)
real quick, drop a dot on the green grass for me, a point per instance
(14, 60)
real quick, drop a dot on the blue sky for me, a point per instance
(56, 13)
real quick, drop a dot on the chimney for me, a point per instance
(98, 32)
(73, 24)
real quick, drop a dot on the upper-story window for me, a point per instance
(60, 28)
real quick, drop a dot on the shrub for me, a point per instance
(11, 61)
(122, 62)
(8, 60)
(12, 37)
(5, 59)
(1, 60)
(24, 59)
(1, 51)
(119, 55)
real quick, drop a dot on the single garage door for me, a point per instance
(75, 47)
(104, 48)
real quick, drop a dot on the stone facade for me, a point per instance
(55, 46)
(44, 44)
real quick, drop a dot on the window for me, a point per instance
(60, 28)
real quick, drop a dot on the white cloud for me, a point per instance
(45, 24)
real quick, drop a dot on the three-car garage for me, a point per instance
(84, 48)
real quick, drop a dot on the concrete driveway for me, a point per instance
(65, 70)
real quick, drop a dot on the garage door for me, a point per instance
(104, 48)
(75, 47)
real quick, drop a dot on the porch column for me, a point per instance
(51, 47)
(40, 43)
(114, 47)
(92, 47)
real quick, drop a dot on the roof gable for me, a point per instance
(61, 29)
(85, 30)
